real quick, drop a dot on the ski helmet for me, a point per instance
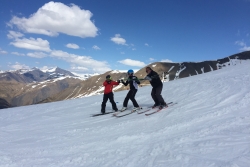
(130, 71)
(108, 77)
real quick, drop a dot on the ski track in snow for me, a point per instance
(209, 127)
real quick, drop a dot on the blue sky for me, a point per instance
(89, 36)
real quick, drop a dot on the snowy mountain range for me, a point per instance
(208, 127)
(34, 75)
(25, 87)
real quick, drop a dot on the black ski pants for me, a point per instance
(131, 96)
(109, 96)
(156, 95)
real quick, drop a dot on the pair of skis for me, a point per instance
(155, 111)
(117, 114)
(94, 115)
(149, 109)
(114, 113)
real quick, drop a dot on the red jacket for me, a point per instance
(109, 86)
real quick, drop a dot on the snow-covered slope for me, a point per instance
(210, 126)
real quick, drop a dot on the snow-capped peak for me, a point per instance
(49, 70)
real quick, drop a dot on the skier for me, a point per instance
(108, 94)
(157, 85)
(133, 84)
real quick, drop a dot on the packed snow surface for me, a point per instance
(208, 127)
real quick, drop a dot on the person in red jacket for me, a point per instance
(108, 93)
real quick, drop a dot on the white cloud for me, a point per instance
(72, 46)
(167, 60)
(14, 35)
(3, 51)
(240, 43)
(32, 44)
(37, 55)
(243, 45)
(18, 66)
(151, 59)
(74, 68)
(54, 18)
(122, 53)
(85, 62)
(96, 47)
(131, 46)
(118, 40)
(18, 54)
(134, 63)
(146, 44)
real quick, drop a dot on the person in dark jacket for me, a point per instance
(157, 85)
(108, 93)
(133, 85)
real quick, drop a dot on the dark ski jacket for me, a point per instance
(156, 81)
(132, 81)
